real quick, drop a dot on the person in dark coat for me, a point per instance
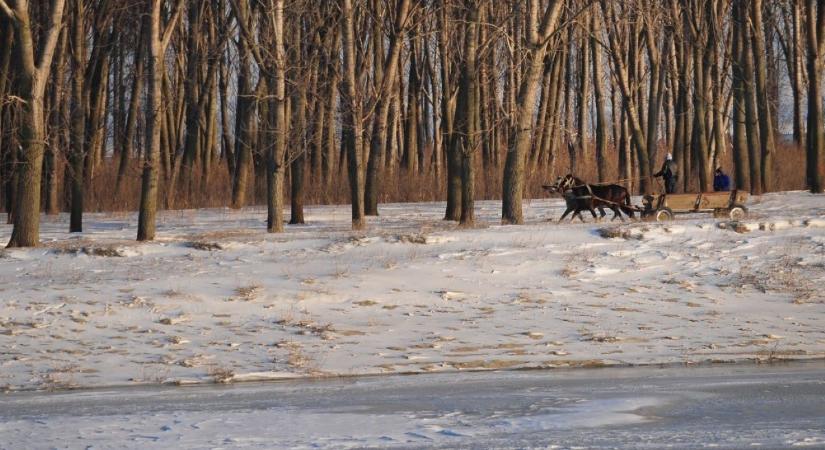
(721, 181)
(670, 173)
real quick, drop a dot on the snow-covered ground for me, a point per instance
(216, 298)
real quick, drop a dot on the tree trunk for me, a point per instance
(622, 71)
(453, 210)
(352, 116)
(766, 126)
(276, 156)
(815, 156)
(154, 115)
(387, 69)
(127, 146)
(740, 143)
(156, 43)
(409, 161)
(57, 102)
(513, 185)
(32, 74)
(751, 115)
(796, 73)
(245, 125)
(301, 137)
(78, 148)
(601, 118)
(583, 107)
(466, 134)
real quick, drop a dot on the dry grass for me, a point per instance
(220, 374)
(786, 276)
(428, 185)
(247, 293)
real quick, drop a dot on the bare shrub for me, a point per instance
(220, 374)
(205, 246)
(104, 251)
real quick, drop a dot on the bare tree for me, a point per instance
(538, 37)
(157, 40)
(353, 116)
(598, 100)
(32, 64)
(766, 126)
(465, 135)
(385, 79)
(816, 134)
(623, 68)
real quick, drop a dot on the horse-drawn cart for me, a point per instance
(580, 196)
(661, 207)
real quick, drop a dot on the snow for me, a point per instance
(217, 299)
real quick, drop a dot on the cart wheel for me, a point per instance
(738, 212)
(663, 214)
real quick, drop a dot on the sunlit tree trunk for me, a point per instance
(352, 116)
(539, 34)
(766, 126)
(32, 66)
(157, 39)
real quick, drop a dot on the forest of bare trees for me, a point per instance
(153, 104)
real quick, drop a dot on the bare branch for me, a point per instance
(170, 26)
(8, 11)
(55, 25)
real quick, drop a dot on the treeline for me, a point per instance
(219, 101)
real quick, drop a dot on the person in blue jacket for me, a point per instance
(721, 181)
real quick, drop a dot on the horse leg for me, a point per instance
(566, 213)
(616, 213)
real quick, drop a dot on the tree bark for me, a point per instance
(453, 172)
(32, 68)
(598, 99)
(465, 137)
(751, 110)
(57, 100)
(622, 71)
(538, 39)
(245, 120)
(383, 98)
(157, 39)
(796, 73)
(740, 143)
(766, 126)
(815, 155)
(276, 159)
(77, 153)
(352, 116)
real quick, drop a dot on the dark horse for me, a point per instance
(581, 196)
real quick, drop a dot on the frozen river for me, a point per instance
(741, 406)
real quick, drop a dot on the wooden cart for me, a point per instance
(661, 207)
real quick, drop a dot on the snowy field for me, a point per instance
(217, 299)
